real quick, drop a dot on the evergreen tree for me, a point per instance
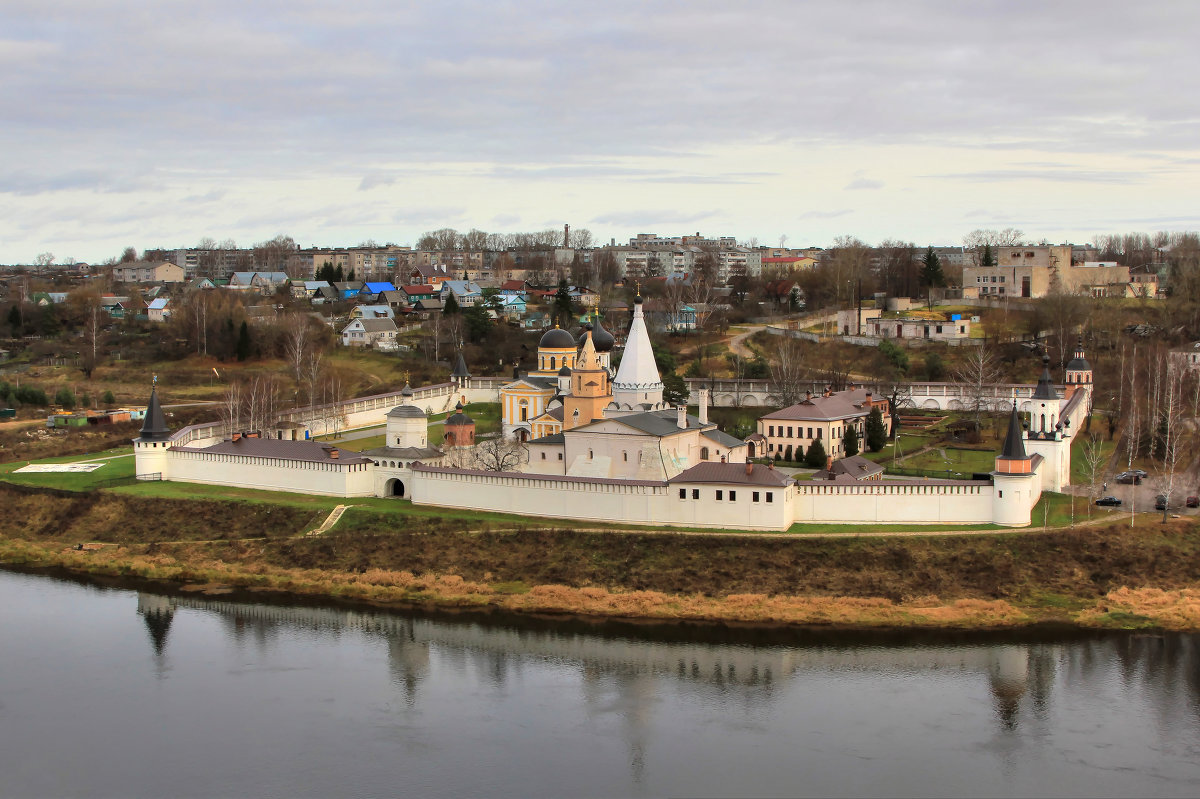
(10, 400)
(86, 401)
(563, 310)
(350, 277)
(65, 398)
(850, 440)
(451, 307)
(243, 342)
(935, 368)
(815, 457)
(14, 319)
(931, 273)
(478, 322)
(988, 258)
(327, 273)
(108, 398)
(876, 432)
(675, 390)
(338, 275)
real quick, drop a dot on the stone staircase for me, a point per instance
(330, 521)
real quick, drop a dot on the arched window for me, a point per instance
(704, 453)
(551, 363)
(625, 456)
(589, 454)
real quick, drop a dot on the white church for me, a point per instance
(605, 447)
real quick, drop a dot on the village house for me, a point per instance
(369, 332)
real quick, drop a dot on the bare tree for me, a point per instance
(787, 371)
(297, 343)
(1093, 465)
(1172, 430)
(977, 376)
(499, 454)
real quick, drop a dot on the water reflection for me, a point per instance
(321, 698)
(1019, 677)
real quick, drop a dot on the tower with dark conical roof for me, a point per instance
(1014, 483)
(1079, 374)
(150, 447)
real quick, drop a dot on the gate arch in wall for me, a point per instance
(393, 488)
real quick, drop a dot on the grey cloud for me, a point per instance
(375, 180)
(650, 218)
(863, 183)
(29, 183)
(505, 220)
(1050, 175)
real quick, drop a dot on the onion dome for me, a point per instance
(557, 339)
(406, 391)
(565, 371)
(602, 340)
(459, 418)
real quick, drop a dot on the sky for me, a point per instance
(159, 124)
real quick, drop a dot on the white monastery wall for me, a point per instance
(931, 503)
(270, 474)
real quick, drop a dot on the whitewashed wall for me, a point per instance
(270, 474)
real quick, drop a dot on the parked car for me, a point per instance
(1128, 478)
(1193, 502)
(1110, 501)
(1160, 502)
(1139, 474)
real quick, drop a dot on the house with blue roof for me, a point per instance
(466, 292)
(377, 288)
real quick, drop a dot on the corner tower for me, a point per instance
(590, 389)
(150, 447)
(1014, 482)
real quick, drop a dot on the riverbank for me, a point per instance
(1113, 577)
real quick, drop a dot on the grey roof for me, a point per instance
(553, 438)
(840, 405)
(460, 367)
(1045, 386)
(1014, 445)
(723, 438)
(306, 451)
(855, 467)
(536, 381)
(733, 473)
(406, 411)
(406, 453)
(656, 423)
(154, 428)
(381, 325)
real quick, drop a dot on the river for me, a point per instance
(115, 692)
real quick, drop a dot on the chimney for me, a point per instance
(237, 436)
(703, 402)
(749, 468)
(828, 462)
(868, 397)
(333, 454)
(566, 236)
(681, 420)
(807, 395)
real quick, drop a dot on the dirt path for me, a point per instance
(737, 342)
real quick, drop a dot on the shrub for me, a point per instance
(935, 367)
(108, 398)
(897, 357)
(65, 398)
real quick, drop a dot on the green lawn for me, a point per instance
(909, 443)
(121, 467)
(964, 461)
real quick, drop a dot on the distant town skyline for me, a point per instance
(157, 126)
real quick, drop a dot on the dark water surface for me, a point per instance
(109, 692)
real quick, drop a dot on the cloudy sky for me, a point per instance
(158, 124)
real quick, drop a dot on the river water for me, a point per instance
(112, 692)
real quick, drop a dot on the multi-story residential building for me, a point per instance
(148, 272)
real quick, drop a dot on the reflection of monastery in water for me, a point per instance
(1010, 669)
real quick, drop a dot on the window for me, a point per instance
(683, 493)
(789, 435)
(560, 456)
(754, 497)
(720, 495)
(733, 496)
(704, 453)
(771, 430)
(1001, 494)
(770, 496)
(543, 456)
(695, 493)
(625, 456)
